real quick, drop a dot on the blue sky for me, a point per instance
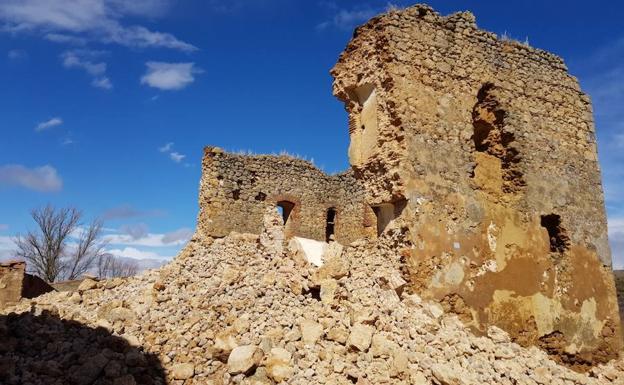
(106, 104)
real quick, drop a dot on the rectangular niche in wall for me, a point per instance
(387, 212)
(363, 122)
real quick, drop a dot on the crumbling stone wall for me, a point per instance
(16, 284)
(491, 143)
(235, 191)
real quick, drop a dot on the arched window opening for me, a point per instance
(285, 208)
(330, 224)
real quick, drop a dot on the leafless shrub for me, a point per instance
(48, 250)
(109, 266)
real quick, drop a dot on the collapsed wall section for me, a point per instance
(236, 189)
(492, 144)
(16, 284)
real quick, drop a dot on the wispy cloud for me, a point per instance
(69, 21)
(177, 157)
(601, 74)
(103, 83)
(7, 248)
(67, 141)
(3, 227)
(42, 179)
(139, 236)
(166, 148)
(169, 76)
(347, 19)
(134, 253)
(135, 231)
(173, 155)
(616, 238)
(16, 54)
(65, 39)
(88, 60)
(53, 122)
(181, 235)
(127, 211)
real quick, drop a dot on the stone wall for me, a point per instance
(15, 284)
(236, 189)
(492, 145)
(482, 151)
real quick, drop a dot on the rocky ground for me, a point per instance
(243, 310)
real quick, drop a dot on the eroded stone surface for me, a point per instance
(482, 152)
(473, 204)
(197, 333)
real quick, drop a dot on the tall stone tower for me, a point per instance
(485, 148)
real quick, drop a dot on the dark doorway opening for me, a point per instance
(285, 208)
(330, 224)
(559, 241)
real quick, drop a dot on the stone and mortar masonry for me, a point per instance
(16, 284)
(492, 144)
(485, 151)
(236, 189)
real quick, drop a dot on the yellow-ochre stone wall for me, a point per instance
(236, 189)
(485, 150)
(492, 144)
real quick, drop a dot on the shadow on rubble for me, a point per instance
(44, 349)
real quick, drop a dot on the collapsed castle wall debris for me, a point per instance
(492, 144)
(485, 150)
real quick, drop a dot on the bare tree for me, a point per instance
(49, 253)
(109, 266)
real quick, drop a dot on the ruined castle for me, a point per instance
(482, 152)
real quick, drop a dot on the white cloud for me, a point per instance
(616, 238)
(184, 235)
(127, 211)
(99, 20)
(166, 148)
(102, 82)
(82, 59)
(42, 179)
(67, 141)
(16, 54)
(169, 76)
(347, 19)
(53, 122)
(134, 253)
(616, 225)
(177, 157)
(65, 39)
(7, 248)
(136, 231)
(141, 238)
(173, 155)
(89, 61)
(3, 227)
(601, 74)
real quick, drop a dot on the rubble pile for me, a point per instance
(245, 309)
